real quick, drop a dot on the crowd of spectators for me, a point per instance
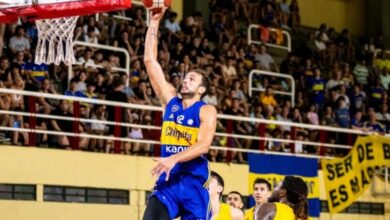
(339, 82)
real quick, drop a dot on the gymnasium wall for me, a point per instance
(177, 6)
(339, 14)
(24, 165)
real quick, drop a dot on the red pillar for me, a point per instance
(350, 139)
(76, 123)
(323, 136)
(261, 132)
(157, 118)
(32, 120)
(230, 140)
(117, 129)
(293, 136)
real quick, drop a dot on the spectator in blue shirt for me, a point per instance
(372, 124)
(357, 99)
(316, 85)
(72, 91)
(376, 95)
(343, 118)
(357, 121)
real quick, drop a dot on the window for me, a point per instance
(365, 208)
(85, 195)
(17, 192)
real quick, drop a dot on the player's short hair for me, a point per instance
(262, 181)
(236, 192)
(205, 81)
(219, 179)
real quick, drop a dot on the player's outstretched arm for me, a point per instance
(208, 118)
(161, 87)
(266, 211)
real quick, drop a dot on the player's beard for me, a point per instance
(187, 94)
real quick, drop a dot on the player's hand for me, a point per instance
(164, 165)
(158, 16)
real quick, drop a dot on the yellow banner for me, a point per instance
(274, 179)
(347, 178)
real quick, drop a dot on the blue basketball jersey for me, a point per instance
(179, 131)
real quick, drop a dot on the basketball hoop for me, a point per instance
(55, 38)
(56, 21)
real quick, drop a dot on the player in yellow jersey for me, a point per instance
(261, 192)
(287, 202)
(234, 199)
(220, 210)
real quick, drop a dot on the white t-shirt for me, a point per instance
(97, 126)
(211, 100)
(320, 45)
(89, 62)
(19, 43)
(173, 27)
(385, 80)
(265, 60)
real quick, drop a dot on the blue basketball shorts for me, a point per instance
(184, 196)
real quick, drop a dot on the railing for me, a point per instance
(377, 51)
(104, 47)
(230, 118)
(279, 75)
(285, 33)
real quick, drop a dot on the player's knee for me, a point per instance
(155, 210)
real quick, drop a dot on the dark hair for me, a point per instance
(117, 82)
(205, 81)
(173, 15)
(297, 191)
(262, 181)
(74, 80)
(218, 177)
(236, 192)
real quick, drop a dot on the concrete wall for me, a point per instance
(338, 14)
(24, 165)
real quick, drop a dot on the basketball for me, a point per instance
(156, 5)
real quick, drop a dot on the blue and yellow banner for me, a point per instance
(274, 168)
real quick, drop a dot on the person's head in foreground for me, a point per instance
(291, 192)
(261, 191)
(195, 84)
(234, 199)
(216, 184)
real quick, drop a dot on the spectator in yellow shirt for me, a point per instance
(268, 98)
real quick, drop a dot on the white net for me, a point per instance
(55, 39)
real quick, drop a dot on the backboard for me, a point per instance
(10, 10)
(55, 20)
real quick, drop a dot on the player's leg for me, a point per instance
(195, 200)
(155, 210)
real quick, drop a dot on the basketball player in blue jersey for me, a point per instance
(187, 132)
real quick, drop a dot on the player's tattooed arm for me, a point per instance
(161, 87)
